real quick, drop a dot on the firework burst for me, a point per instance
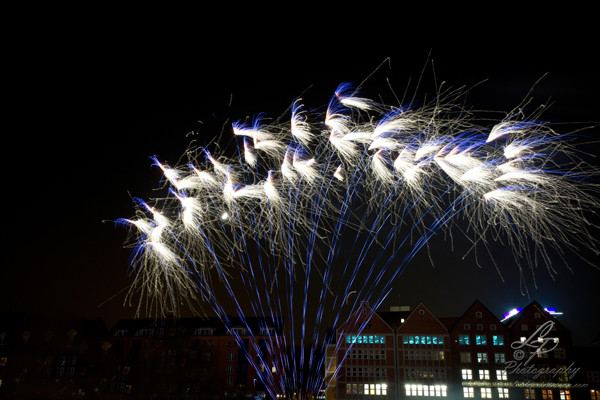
(323, 210)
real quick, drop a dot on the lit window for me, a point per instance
(467, 374)
(503, 393)
(498, 340)
(484, 374)
(529, 394)
(594, 394)
(377, 389)
(468, 392)
(547, 394)
(463, 339)
(565, 395)
(480, 340)
(486, 393)
(501, 375)
(482, 358)
(425, 390)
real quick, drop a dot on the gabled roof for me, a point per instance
(356, 316)
(415, 314)
(451, 323)
(533, 306)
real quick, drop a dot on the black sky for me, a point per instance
(92, 98)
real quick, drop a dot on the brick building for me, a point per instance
(423, 355)
(192, 358)
(541, 345)
(479, 349)
(475, 355)
(51, 358)
(365, 356)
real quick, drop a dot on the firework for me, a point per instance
(322, 210)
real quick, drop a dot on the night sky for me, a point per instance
(92, 100)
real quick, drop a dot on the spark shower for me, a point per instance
(311, 213)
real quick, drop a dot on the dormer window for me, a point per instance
(203, 332)
(239, 331)
(267, 331)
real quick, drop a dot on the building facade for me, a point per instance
(480, 349)
(365, 356)
(423, 354)
(527, 355)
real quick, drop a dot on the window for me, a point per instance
(503, 393)
(425, 390)
(499, 358)
(559, 352)
(267, 330)
(229, 369)
(498, 340)
(492, 327)
(594, 394)
(480, 340)
(145, 332)
(482, 358)
(478, 314)
(238, 331)
(365, 339)
(203, 332)
(484, 374)
(524, 327)
(501, 375)
(529, 394)
(463, 339)
(468, 392)
(479, 327)
(423, 339)
(537, 315)
(374, 389)
(354, 388)
(565, 395)
(467, 327)
(467, 374)
(230, 356)
(465, 357)
(486, 393)
(547, 394)
(593, 376)
(229, 382)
